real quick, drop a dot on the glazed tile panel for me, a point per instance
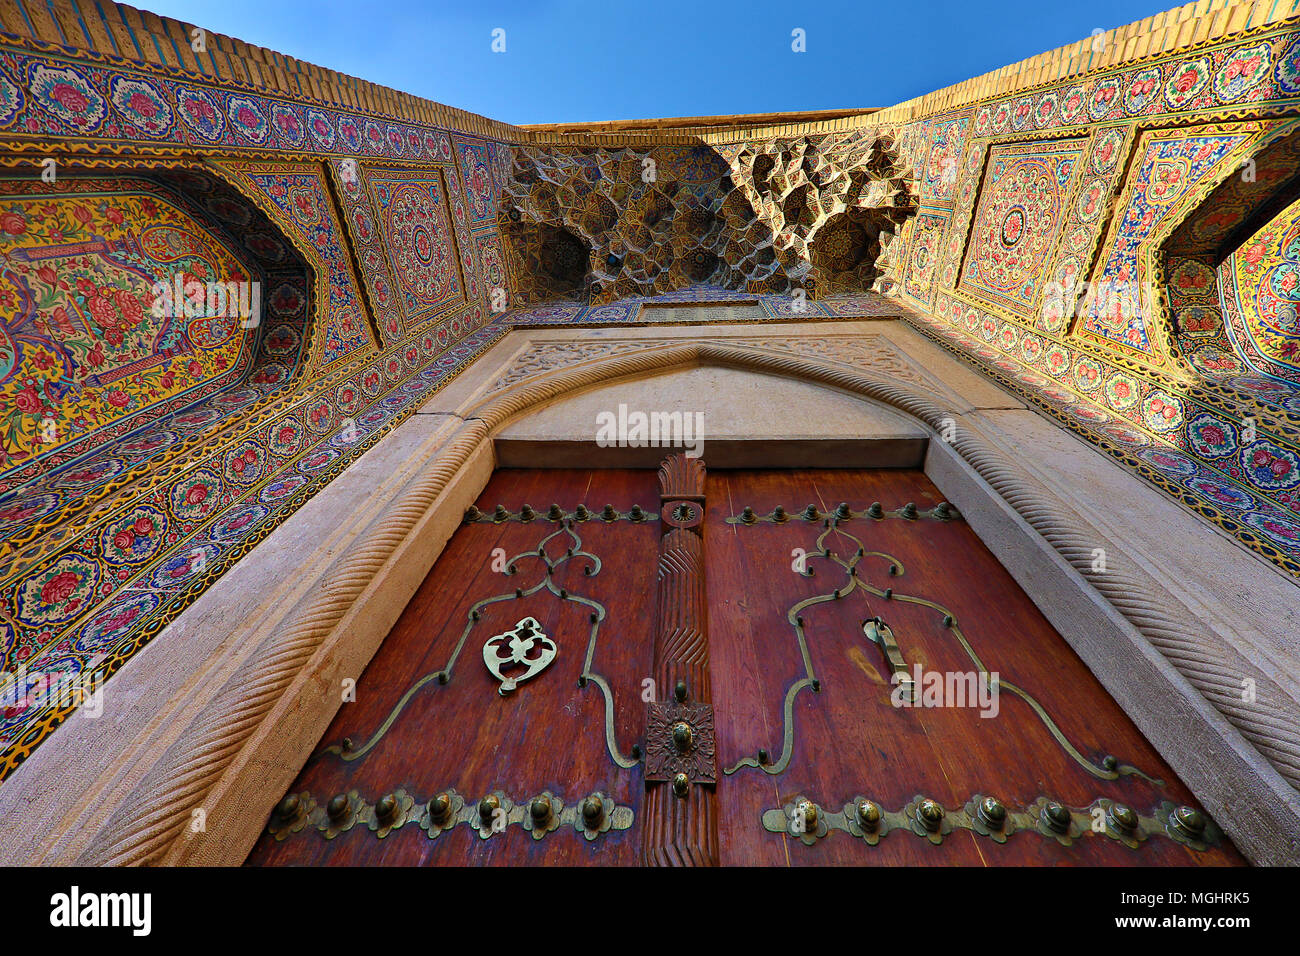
(1027, 190)
(80, 344)
(1189, 379)
(298, 192)
(111, 537)
(1166, 171)
(1261, 289)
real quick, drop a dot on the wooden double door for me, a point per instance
(772, 668)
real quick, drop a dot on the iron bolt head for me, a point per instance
(338, 807)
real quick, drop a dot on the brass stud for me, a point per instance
(1110, 763)
(909, 510)
(554, 514)
(609, 514)
(681, 785)
(526, 513)
(779, 514)
(439, 808)
(875, 510)
(683, 736)
(992, 813)
(287, 809)
(868, 813)
(473, 514)
(679, 691)
(1123, 817)
(1056, 817)
(747, 515)
(386, 808)
(808, 810)
(540, 810)
(636, 514)
(593, 811)
(500, 513)
(1189, 820)
(843, 511)
(581, 513)
(488, 806)
(763, 756)
(943, 511)
(811, 512)
(338, 808)
(929, 813)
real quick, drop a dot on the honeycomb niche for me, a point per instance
(653, 221)
(833, 203)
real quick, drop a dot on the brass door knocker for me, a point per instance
(524, 638)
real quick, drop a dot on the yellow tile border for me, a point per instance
(1161, 33)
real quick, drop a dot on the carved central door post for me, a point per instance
(681, 825)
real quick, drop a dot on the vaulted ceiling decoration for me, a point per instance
(652, 220)
(813, 213)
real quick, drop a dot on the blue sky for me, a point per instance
(572, 61)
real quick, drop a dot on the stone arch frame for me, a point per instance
(231, 756)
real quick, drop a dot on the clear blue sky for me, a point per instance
(571, 61)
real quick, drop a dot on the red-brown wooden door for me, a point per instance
(564, 754)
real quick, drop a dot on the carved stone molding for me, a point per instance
(151, 815)
(546, 356)
(864, 351)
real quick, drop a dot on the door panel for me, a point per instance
(548, 735)
(415, 737)
(848, 739)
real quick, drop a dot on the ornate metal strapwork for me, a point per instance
(546, 564)
(943, 511)
(592, 816)
(990, 817)
(879, 633)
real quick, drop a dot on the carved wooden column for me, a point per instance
(681, 826)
